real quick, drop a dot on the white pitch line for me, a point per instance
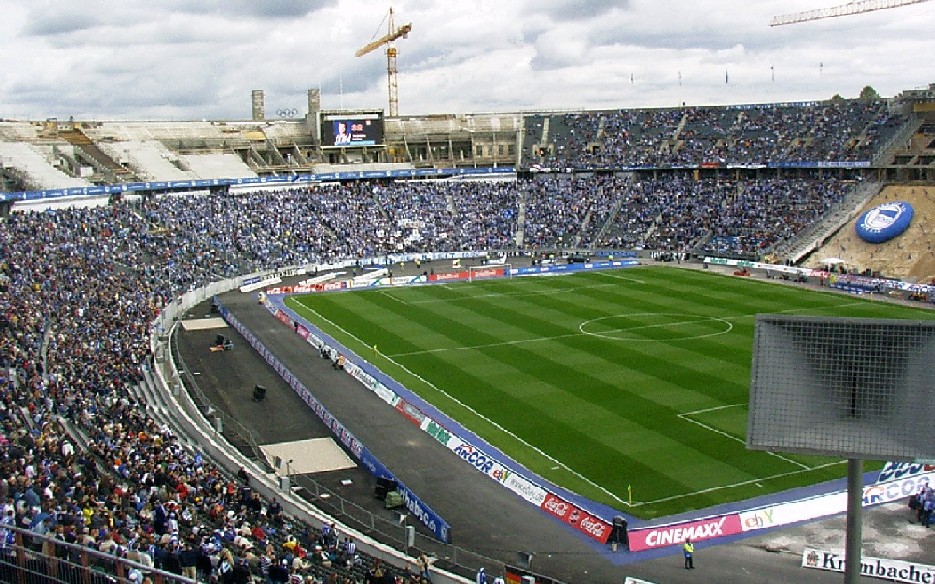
(580, 333)
(506, 294)
(740, 484)
(388, 295)
(714, 409)
(736, 439)
(619, 277)
(479, 415)
(475, 347)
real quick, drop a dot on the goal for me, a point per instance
(490, 271)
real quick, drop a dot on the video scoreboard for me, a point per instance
(351, 129)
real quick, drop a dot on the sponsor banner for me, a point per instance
(786, 513)
(474, 456)
(896, 490)
(665, 535)
(895, 570)
(488, 273)
(410, 412)
(898, 470)
(282, 317)
(524, 488)
(397, 281)
(492, 468)
(832, 503)
(590, 525)
(436, 431)
(367, 277)
(374, 465)
(319, 279)
(371, 383)
(424, 514)
(448, 276)
(254, 286)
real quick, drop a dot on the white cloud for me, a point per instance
(182, 59)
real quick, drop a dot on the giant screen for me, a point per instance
(350, 129)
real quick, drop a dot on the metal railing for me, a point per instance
(391, 532)
(41, 559)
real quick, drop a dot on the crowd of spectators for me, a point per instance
(815, 132)
(80, 459)
(79, 456)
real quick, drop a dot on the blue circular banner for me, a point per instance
(884, 222)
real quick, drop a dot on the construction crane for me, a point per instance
(856, 7)
(392, 33)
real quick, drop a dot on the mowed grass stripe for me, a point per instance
(531, 373)
(566, 426)
(534, 363)
(396, 308)
(620, 400)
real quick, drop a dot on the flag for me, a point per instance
(629, 495)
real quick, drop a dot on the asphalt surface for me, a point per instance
(486, 518)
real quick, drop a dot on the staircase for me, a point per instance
(887, 153)
(103, 164)
(815, 235)
(611, 218)
(521, 220)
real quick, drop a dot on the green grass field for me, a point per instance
(597, 381)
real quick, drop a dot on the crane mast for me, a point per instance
(856, 7)
(389, 39)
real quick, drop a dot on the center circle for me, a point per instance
(666, 326)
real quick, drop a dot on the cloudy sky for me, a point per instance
(193, 59)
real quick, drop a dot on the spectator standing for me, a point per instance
(688, 549)
(424, 565)
(481, 577)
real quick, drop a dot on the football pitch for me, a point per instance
(629, 387)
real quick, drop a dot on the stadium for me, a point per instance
(323, 346)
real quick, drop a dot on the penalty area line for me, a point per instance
(734, 438)
(391, 297)
(740, 484)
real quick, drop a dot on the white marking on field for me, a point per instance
(535, 449)
(739, 484)
(714, 409)
(507, 294)
(609, 333)
(581, 332)
(619, 277)
(685, 416)
(390, 296)
(486, 346)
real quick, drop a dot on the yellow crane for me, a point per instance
(856, 7)
(388, 39)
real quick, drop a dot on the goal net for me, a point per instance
(490, 271)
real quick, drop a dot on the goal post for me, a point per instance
(490, 271)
